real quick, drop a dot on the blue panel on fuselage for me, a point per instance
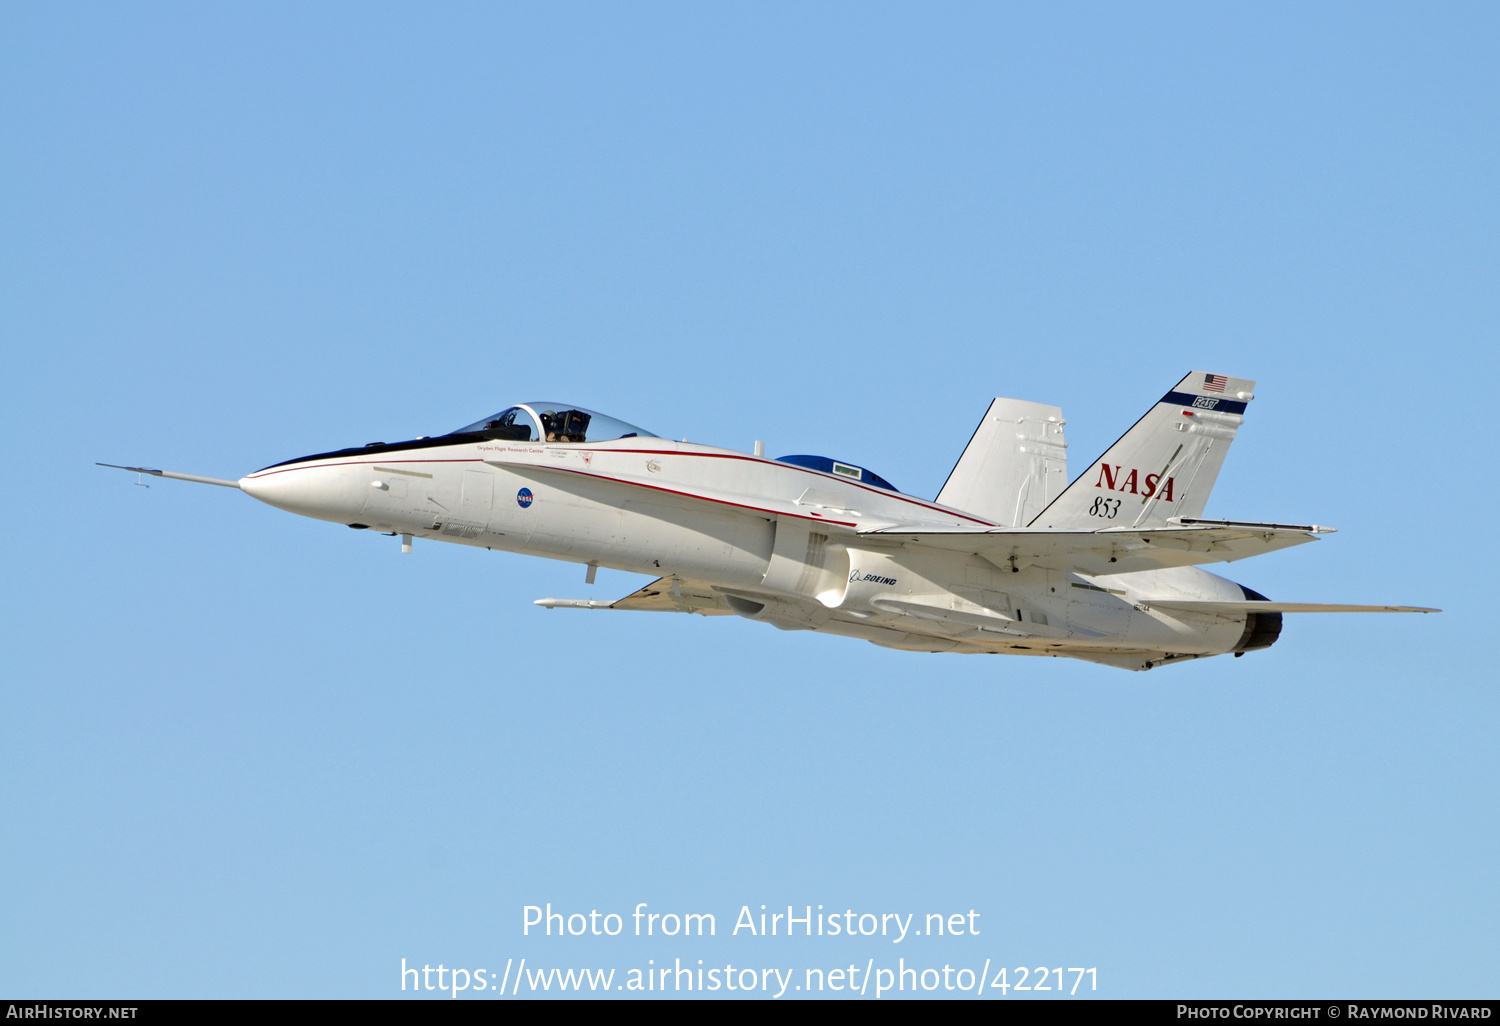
(839, 469)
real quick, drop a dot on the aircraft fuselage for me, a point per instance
(769, 540)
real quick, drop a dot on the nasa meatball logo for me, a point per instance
(524, 497)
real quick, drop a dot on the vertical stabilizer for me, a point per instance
(1016, 463)
(1165, 465)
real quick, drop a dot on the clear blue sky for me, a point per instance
(248, 754)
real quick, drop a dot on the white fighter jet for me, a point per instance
(1010, 558)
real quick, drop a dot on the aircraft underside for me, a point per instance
(953, 602)
(932, 634)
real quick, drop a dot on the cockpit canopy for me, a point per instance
(552, 422)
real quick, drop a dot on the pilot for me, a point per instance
(567, 426)
(575, 425)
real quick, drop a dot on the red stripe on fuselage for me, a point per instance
(882, 492)
(815, 518)
(879, 492)
(344, 463)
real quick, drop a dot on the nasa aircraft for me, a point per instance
(1010, 558)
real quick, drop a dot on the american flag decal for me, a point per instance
(1214, 382)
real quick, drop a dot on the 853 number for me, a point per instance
(1103, 507)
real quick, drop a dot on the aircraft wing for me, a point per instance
(1235, 608)
(663, 595)
(1112, 550)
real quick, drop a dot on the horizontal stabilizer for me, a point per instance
(1110, 551)
(1280, 607)
(1257, 524)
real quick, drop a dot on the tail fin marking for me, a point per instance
(1164, 466)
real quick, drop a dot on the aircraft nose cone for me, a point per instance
(325, 493)
(282, 490)
(266, 489)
